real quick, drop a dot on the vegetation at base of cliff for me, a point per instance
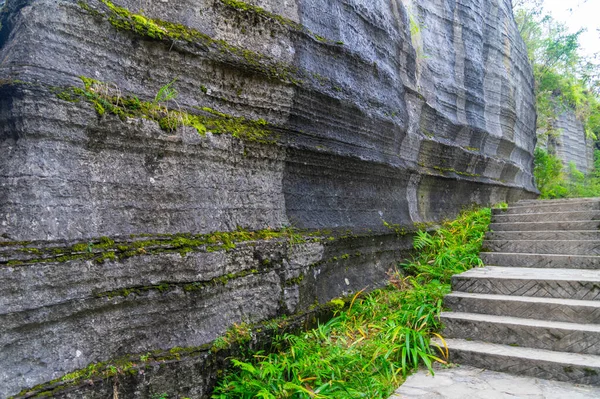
(565, 80)
(129, 364)
(367, 349)
(452, 249)
(108, 98)
(554, 180)
(237, 339)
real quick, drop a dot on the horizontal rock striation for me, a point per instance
(572, 145)
(320, 115)
(74, 307)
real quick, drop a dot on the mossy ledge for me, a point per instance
(213, 357)
(108, 98)
(241, 6)
(169, 32)
(107, 249)
(186, 287)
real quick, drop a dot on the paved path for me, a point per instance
(464, 382)
(534, 309)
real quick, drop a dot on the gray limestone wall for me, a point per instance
(572, 145)
(399, 111)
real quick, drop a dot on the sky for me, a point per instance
(578, 14)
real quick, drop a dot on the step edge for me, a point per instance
(536, 254)
(528, 241)
(547, 231)
(521, 322)
(542, 206)
(528, 299)
(575, 359)
(550, 213)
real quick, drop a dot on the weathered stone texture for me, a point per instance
(458, 106)
(534, 308)
(572, 145)
(398, 111)
(75, 313)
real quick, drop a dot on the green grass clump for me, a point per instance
(452, 249)
(367, 350)
(554, 180)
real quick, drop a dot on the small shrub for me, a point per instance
(554, 182)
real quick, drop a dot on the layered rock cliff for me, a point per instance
(134, 219)
(572, 144)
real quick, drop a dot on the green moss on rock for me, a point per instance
(106, 249)
(156, 29)
(108, 98)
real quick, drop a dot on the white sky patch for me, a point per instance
(578, 14)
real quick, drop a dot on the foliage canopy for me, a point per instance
(564, 79)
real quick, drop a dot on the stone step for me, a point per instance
(550, 309)
(540, 261)
(556, 247)
(532, 282)
(554, 201)
(547, 217)
(544, 235)
(544, 364)
(549, 207)
(546, 226)
(514, 331)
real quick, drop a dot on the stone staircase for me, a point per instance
(534, 309)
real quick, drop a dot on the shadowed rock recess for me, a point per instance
(133, 223)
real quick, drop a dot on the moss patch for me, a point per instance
(106, 249)
(250, 8)
(236, 342)
(451, 170)
(107, 98)
(156, 29)
(244, 7)
(167, 286)
(109, 369)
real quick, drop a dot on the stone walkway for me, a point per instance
(464, 382)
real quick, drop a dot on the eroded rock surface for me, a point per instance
(376, 111)
(572, 145)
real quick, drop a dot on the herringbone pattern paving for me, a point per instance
(544, 309)
(559, 247)
(548, 217)
(544, 226)
(541, 261)
(531, 335)
(582, 290)
(544, 235)
(536, 368)
(536, 310)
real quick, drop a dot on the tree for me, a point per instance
(564, 79)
